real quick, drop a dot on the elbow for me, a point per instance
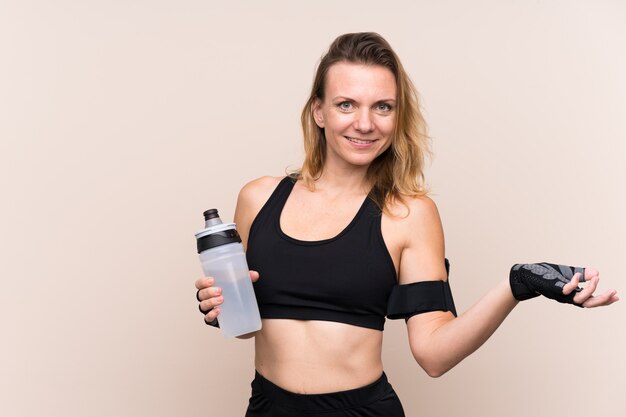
(433, 367)
(433, 371)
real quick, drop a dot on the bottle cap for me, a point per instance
(211, 214)
(219, 235)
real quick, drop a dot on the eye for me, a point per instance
(384, 107)
(345, 106)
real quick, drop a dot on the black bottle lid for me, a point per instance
(216, 239)
(211, 214)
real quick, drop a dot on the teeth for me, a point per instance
(359, 141)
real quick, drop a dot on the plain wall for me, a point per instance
(122, 121)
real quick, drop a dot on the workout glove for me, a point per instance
(531, 280)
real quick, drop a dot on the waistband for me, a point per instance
(321, 402)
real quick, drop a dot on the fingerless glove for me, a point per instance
(531, 280)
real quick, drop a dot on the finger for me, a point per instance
(207, 293)
(200, 283)
(582, 296)
(211, 302)
(212, 315)
(572, 285)
(254, 276)
(590, 273)
(205, 312)
(204, 282)
(605, 299)
(207, 305)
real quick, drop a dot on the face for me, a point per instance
(357, 113)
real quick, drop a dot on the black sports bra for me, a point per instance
(347, 278)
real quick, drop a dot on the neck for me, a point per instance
(347, 181)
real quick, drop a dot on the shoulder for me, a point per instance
(414, 214)
(254, 194)
(417, 225)
(251, 199)
(258, 190)
(421, 207)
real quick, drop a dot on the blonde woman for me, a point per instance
(352, 238)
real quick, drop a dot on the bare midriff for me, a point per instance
(314, 357)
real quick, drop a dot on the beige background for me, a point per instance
(121, 121)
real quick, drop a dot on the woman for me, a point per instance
(352, 238)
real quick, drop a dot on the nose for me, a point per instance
(363, 122)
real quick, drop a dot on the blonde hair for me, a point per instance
(399, 171)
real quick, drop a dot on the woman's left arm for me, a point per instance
(437, 339)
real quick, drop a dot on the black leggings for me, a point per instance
(377, 399)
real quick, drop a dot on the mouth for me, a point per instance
(361, 141)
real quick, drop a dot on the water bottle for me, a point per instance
(223, 258)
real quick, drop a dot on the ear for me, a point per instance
(317, 112)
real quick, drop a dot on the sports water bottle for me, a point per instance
(223, 258)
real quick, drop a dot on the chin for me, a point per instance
(361, 162)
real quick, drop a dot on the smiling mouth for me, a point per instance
(360, 141)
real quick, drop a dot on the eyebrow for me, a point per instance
(393, 100)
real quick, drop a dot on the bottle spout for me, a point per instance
(211, 218)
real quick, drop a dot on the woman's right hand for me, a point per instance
(210, 297)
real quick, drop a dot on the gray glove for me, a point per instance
(531, 280)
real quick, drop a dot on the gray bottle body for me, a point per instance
(223, 258)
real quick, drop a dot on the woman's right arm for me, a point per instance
(251, 199)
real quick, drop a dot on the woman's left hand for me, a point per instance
(586, 297)
(560, 283)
